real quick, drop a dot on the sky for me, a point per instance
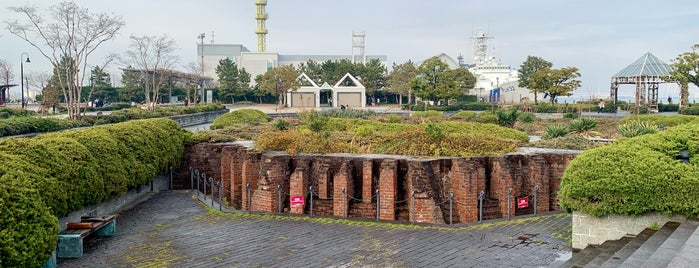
(600, 37)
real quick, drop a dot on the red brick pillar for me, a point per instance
(298, 186)
(237, 188)
(367, 177)
(388, 182)
(468, 179)
(342, 189)
(227, 155)
(251, 174)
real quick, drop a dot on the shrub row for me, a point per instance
(665, 120)
(242, 116)
(63, 172)
(21, 123)
(636, 176)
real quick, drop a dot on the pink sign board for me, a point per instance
(297, 200)
(522, 202)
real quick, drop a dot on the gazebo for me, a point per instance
(646, 73)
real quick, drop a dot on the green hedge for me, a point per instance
(691, 110)
(242, 116)
(18, 125)
(636, 176)
(73, 169)
(666, 120)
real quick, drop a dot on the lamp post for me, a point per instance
(21, 73)
(201, 38)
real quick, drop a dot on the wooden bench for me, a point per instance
(70, 241)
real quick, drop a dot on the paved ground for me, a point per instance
(172, 229)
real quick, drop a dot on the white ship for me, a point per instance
(496, 82)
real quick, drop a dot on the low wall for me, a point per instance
(410, 188)
(160, 183)
(591, 230)
(186, 120)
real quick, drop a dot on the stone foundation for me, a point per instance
(591, 230)
(409, 188)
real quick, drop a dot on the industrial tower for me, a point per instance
(261, 30)
(358, 46)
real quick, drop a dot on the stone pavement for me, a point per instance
(174, 229)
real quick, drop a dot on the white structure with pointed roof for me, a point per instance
(348, 92)
(308, 95)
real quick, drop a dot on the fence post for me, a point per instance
(412, 204)
(191, 180)
(509, 193)
(211, 182)
(378, 204)
(279, 199)
(249, 201)
(171, 178)
(451, 207)
(310, 189)
(343, 202)
(220, 199)
(198, 178)
(536, 193)
(204, 175)
(480, 206)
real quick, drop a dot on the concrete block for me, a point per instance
(108, 230)
(70, 246)
(51, 263)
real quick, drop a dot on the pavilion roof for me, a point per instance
(646, 65)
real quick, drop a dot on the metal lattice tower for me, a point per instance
(480, 47)
(358, 46)
(261, 31)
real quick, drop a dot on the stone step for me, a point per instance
(688, 255)
(608, 249)
(641, 255)
(622, 254)
(664, 254)
(581, 258)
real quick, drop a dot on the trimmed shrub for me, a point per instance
(477, 106)
(242, 116)
(487, 118)
(691, 110)
(73, 169)
(526, 117)
(29, 232)
(347, 113)
(570, 115)
(427, 114)
(29, 124)
(465, 115)
(636, 176)
(632, 129)
(583, 124)
(555, 131)
(668, 107)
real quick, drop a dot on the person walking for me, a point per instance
(601, 107)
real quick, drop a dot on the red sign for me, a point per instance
(523, 202)
(297, 200)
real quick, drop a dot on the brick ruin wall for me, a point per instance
(409, 188)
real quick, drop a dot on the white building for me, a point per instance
(257, 63)
(347, 92)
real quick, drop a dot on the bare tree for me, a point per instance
(153, 58)
(195, 69)
(38, 81)
(67, 31)
(6, 74)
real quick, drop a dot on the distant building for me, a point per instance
(257, 63)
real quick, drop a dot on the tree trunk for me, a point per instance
(536, 101)
(684, 95)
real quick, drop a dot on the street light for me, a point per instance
(21, 72)
(201, 37)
